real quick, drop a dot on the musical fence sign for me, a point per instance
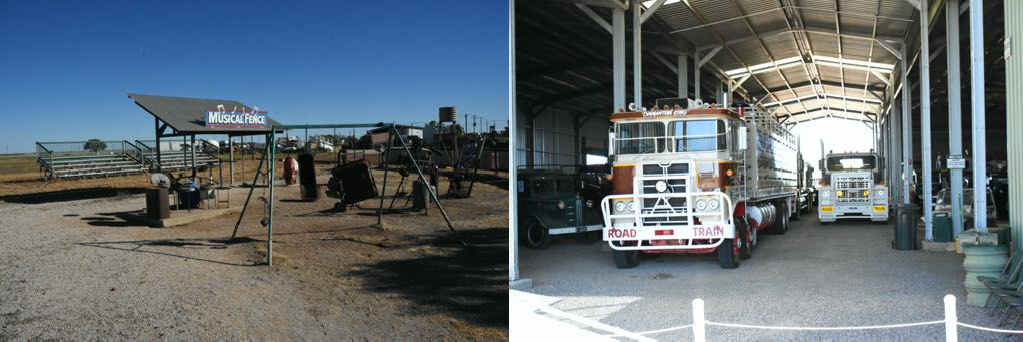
(956, 162)
(221, 118)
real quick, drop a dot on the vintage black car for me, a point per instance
(558, 201)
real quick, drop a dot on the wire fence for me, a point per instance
(700, 323)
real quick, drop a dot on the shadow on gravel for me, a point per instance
(468, 283)
(71, 195)
(136, 246)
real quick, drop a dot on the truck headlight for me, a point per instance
(619, 206)
(589, 203)
(713, 204)
(880, 192)
(561, 205)
(701, 205)
(632, 206)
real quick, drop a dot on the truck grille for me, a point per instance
(677, 169)
(853, 188)
(652, 174)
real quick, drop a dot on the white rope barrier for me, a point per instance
(700, 323)
(971, 326)
(772, 327)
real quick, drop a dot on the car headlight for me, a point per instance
(561, 205)
(701, 204)
(632, 206)
(589, 203)
(619, 206)
(713, 204)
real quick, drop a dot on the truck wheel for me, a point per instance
(781, 225)
(745, 239)
(728, 254)
(625, 259)
(536, 236)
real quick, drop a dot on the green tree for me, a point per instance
(95, 145)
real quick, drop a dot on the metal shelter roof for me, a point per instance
(802, 60)
(187, 115)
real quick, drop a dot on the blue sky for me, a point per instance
(66, 66)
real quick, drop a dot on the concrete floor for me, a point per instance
(841, 274)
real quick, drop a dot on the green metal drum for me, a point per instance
(982, 260)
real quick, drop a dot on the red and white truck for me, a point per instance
(696, 178)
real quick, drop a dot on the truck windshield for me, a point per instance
(640, 137)
(848, 163)
(698, 135)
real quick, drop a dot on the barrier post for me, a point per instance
(699, 324)
(951, 335)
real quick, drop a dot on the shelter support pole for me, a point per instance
(696, 75)
(683, 77)
(898, 187)
(195, 170)
(383, 162)
(513, 222)
(230, 156)
(955, 116)
(637, 54)
(270, 219)
(925, 120)
(977, 109)
(618, 55)
(907, 129)
(159, 169)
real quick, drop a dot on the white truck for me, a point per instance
(852, 188)
(695, 178)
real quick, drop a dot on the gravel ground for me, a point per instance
(74, 270)
(843, 274)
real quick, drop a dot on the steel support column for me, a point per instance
(696, 75)
(955, 116)
(683, 77)
(899, 185)
(230, 157)
(618, 56)
(925, 121)
(513, 123)
(977, 109)
(637, 53)
(907, 130)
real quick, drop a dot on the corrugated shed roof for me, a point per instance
(187, 115)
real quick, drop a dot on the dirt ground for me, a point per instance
(74, 269)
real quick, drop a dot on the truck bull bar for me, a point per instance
(715, 225)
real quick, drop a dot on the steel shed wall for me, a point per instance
(1014, 117)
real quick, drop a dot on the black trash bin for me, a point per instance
(905, 226)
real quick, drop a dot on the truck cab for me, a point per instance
(694, 180)
(852, 188)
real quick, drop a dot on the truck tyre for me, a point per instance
(781, 225)
(625, 259)
(745, 239)
(728, 254)
(536, 236)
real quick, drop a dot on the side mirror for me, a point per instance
(742, 138)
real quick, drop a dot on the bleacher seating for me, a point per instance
(180, 160)
(91, 166)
